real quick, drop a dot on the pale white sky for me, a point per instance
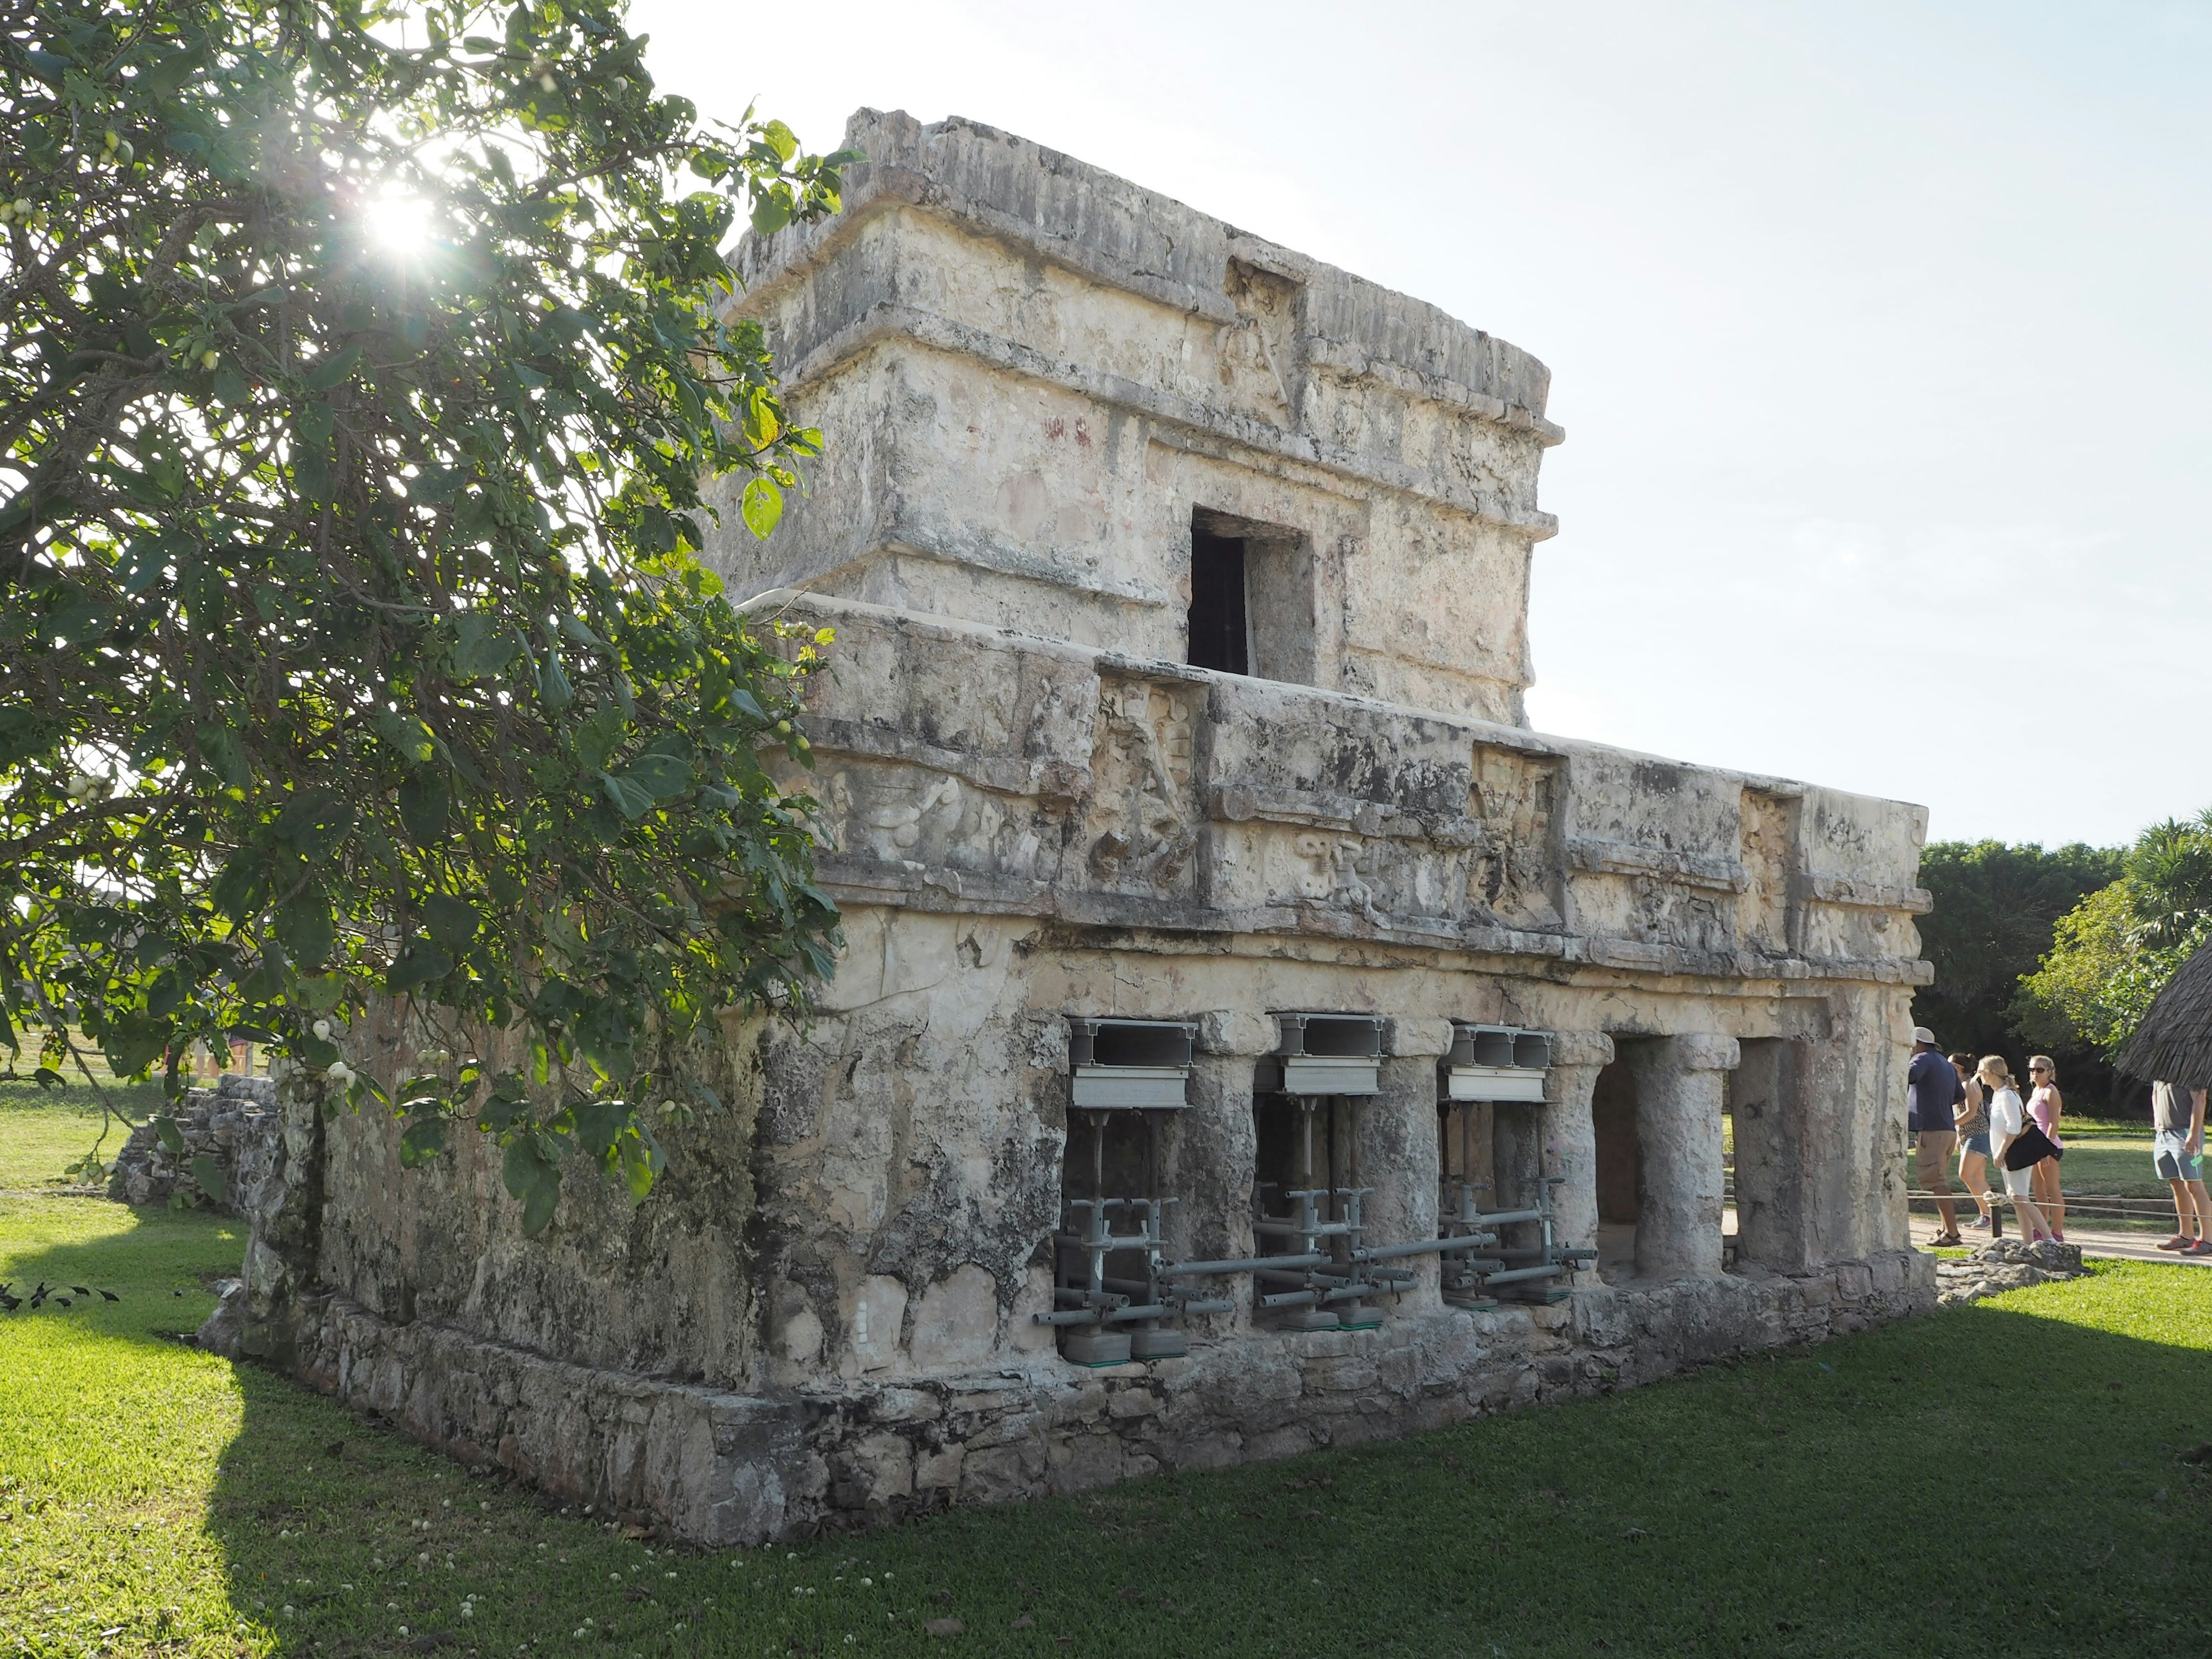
(1879, 332)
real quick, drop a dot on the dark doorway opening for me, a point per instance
(1220, 629)
(1619, 1169)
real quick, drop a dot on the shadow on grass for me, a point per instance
(1874, 1495)
(2010, 1477)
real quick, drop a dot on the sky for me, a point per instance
(1880, 333)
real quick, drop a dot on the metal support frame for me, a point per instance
(1460, 1218)
(1110, 1318)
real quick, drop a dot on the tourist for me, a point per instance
(1973, 1116)
(2043, 1105)
(2008, 1119)
(2177, 1151)
(1931, 1090)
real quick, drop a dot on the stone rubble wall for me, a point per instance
(234, 1123)
(2006, 1264)
(719, 1468)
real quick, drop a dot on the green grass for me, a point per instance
(44, 1130)
(2007, 1478)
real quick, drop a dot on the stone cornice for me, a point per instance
(885, 321)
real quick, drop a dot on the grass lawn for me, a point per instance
(42, 1130)
(1860, 1498)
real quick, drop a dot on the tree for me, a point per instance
(2115, 952)
(363, 369)
(1996, 907)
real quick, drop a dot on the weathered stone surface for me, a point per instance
(234, 1124)
(1045, 392)
(2006, 1264)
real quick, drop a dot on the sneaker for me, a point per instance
(1980, 1224)
(2178, 1243)
(2201, 1246)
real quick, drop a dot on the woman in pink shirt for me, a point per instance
(2043, 1105)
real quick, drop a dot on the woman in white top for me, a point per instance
(2008, 1118)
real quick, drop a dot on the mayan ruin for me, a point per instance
(1251, 1037)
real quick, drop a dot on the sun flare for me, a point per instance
(399, 224)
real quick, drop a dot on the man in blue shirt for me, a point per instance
(1931, 1090)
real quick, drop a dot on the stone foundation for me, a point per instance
(716, 1467)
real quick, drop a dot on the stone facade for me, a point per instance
(1179, 585)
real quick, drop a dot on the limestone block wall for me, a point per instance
(1031, 373)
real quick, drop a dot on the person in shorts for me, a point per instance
(1931, 1090)
(2008, 1118)
(2177, 1151)
(1973, 1113)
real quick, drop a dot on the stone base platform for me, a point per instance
(716, 1467)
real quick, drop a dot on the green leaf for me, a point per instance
(760, 506)
(599, 1119)
(420, 963)
(630, 799)
(306, 929)
(640, 1160)
(535, 1179)
(576, 629)
(483, 645)
(243, 887)
(222, 749)
(661, 777)
(315, 823)
(423, 1139)
(553, 687)
(329, 372)
(319, 993)
(210, 1176)
(425, 800)
(130, 1050)
(770, 216)
(166, 1132)
(453, 922)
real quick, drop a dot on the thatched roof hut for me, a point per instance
(2174, 1042)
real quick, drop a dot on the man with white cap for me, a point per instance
(1931, 1090)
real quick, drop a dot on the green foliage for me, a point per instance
(2113, 953)
(1995, 906)
(351, 639)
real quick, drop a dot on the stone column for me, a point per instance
(1679, 1139)
(1208, 1158)
(1398, 1157)
(1768, 1105)
(1570, 1137)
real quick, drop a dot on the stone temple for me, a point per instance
(1252, 1035)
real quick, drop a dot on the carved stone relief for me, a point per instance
(1260, 356)
(1666, 913)
(1141, 829)
(908, 815)
(1770, 856)
(1515, 875)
